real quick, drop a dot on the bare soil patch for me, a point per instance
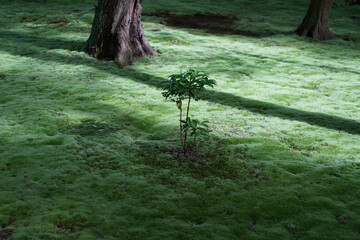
(215, 24)
(28, 19)
(59, 22)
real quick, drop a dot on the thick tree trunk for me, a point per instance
(117, 33)
(316, 21)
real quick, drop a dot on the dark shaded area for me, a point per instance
(226, 99)
(4, 231)
(214, 24)
(91, 127)
(353, 2)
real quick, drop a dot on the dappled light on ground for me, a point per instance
(87, 149)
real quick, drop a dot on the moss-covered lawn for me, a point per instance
(85, 147)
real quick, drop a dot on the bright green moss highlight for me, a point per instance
(84, 143)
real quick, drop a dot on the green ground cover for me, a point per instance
(85, 147)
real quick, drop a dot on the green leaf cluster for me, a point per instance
(187, 85)
(195, 127)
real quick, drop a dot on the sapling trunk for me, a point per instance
(181, 129)
(187, 119)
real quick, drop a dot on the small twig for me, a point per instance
(90, 228)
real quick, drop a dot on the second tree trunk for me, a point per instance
(316, 21)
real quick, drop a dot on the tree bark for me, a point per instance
(316, 21)
(117, 33)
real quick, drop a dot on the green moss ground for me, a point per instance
(84, 145)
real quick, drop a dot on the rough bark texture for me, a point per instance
(316, 21)
(117, 34)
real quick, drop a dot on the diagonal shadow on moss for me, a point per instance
(226, 99)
